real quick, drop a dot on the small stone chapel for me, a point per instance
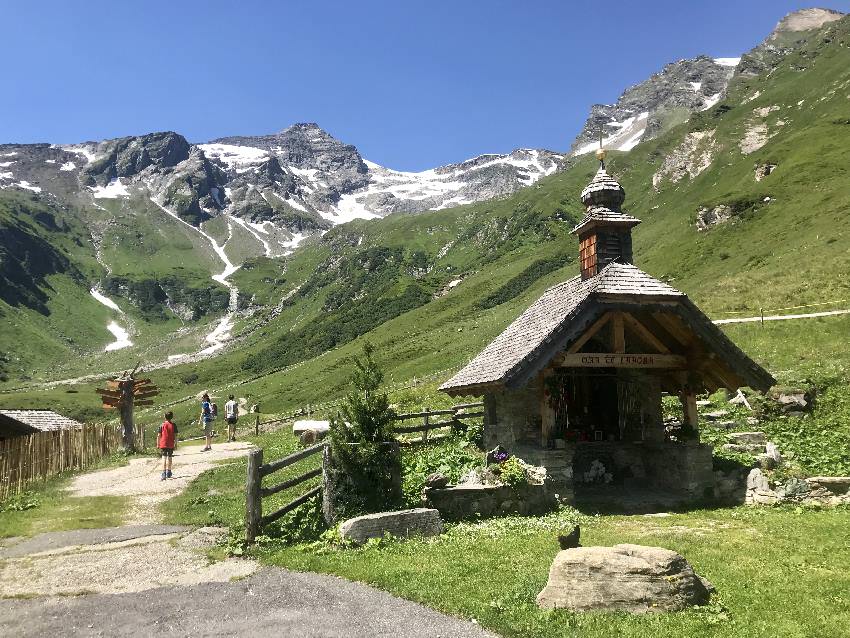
(575, 383)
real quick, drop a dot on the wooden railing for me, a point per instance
(29, 458)
(456, 417)
(255, 492)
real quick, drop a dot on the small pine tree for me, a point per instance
(366, 413)
(362, 443)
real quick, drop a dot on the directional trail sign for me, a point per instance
(123, 393)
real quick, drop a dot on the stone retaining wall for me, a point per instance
(460, 502)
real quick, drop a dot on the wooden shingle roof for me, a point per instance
(597, 214)
(39, 420)
(531, 330)
(558, 316)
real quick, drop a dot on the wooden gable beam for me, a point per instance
(672, 325)
(644, 333)
(618, 333)
(590, 332)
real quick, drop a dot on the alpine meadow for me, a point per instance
(307, 281)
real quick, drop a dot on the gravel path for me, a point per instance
(141, 478)
(272, 602)
(146, 579)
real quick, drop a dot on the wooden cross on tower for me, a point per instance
(125, 393)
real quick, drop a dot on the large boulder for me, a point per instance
(404, 523)
(631, 578)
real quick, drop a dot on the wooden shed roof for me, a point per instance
(565, 310)
(29, 421)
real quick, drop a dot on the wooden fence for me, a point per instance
(255, 492)
(36, 457)
(456, 420)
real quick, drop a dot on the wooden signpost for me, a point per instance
(124, 393)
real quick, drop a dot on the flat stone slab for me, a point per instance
(632, 578)
(320, 427)
(838, 484)
(421, 521)
(747, 438)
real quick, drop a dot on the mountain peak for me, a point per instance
(805, 20)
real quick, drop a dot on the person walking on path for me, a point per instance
(207, 420)
(165, 440)
(231, 415)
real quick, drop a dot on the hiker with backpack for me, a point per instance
(166, 437)
(231, 415)
(207, 417)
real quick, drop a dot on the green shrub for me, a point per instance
(453, 457)
(365, 458)
(511, 472)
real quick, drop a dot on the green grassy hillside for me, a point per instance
(430, 290)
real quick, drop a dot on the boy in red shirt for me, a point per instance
(166, 436)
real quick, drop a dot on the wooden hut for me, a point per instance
(575, 383)
(21, 422)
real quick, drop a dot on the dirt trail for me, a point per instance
(141, 478)
(146, 579)
(141, 555)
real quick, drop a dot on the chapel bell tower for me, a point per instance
(605, 231)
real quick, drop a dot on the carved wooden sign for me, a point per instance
(125, 393)
(617, 360)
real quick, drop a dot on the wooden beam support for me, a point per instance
(547, 412)
(620, 360)
(590, 332)
(618, 333)
(644, 333)
(689, 410)
(672, 325)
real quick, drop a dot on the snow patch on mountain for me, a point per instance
(628, 134)
(113, 190)
(733, 62)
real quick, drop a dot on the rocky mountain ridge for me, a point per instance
(682, 88)
(301, 180)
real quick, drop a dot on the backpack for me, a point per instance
(213, 410)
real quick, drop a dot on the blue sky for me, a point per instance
(411, 84)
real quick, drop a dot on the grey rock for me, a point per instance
(763, 170)
(794, 401)
(746, 448)
(405, 523)
(436, 480)
(786, 37)
(835, 484)
(794, 488)
(756, 480)
(631, 578)
(712, 216)
(773, 452)
(747, 438)
(766, 462)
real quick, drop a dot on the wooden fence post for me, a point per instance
(257, 426)
(253, 501)
(426, 422)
